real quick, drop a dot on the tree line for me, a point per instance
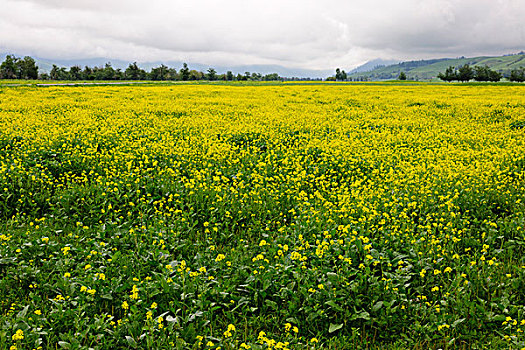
(466, 73)
(25, 68)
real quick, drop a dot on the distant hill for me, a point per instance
(45, 65)
(429, 69)
(373, 64)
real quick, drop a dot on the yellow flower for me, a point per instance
(38, 312)
(314, 340)
(19, 335)
(125, 305)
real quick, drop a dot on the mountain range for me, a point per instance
(429, 69)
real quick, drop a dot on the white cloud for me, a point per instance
(305, 34)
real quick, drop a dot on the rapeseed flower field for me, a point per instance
(262, 217)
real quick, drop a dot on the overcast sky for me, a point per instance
(293, 33)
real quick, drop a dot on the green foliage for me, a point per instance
(517, 75)
(111, 239)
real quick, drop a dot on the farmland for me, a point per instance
(266, 216)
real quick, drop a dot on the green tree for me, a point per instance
(8, 68)
(75, 73)
(337, 74)
(133, 72)
(109, 72)
(196, 75)
(159, 73)
(402, 76)
(449, 75)
(211, 74)
(184, 72)
(517, 75)
(494, 76)
(465, 73)
(29, 69)
(229, 75)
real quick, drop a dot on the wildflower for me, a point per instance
(19, 335)
(125, 305)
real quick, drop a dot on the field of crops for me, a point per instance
(262, 217)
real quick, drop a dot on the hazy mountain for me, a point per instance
(429, 69)
(373, 64)
(45, 65)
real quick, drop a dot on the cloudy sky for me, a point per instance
(294, 33)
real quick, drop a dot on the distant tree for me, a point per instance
(172, 74)
(87, 73)
(238, 77)
(159, 73)
(75, 73)
(246, 76)
(449, 75)
(133, 72)
(8, 68)
(109, 72)
(402, 76)
(184, 72)
(338, 74)
(28, 68)
(481, 73)
(211, 74)
(54, 74)
(465, 73)
(517, 75)
(272, 77)
(196, 75)
(494, 76)
(229, 75)
(119, 74)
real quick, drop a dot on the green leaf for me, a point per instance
(64, 344)
(334, 305)
(23, 312)
(334, 327)
(377, 306)
(456, 322)
(131, 341)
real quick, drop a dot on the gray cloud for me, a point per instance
(305, 34)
